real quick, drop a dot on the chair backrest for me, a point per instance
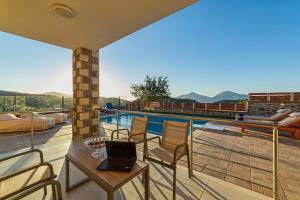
(174, 133)
(281, 114)
(138, 125)
(292, 121)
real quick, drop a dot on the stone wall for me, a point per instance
(85, 92)
(269, 108)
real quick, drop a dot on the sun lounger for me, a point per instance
(58, 117)
(11, 123)
(280, 114)
(290, 124)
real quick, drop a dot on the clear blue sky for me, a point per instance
(211, 46)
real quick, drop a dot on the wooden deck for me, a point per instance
(241, 159)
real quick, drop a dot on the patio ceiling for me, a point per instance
(95, 24)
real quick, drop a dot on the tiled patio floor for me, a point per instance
(242, 159)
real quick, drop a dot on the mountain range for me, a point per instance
(58, 94)
(223, 96)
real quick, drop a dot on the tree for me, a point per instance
(153, 89)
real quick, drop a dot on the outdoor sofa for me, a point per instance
(279, 115)
(11, 123)
(290, 124)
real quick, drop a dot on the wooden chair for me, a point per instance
(21, 183)
(137, 132)
(172, 147)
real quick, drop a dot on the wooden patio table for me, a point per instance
(80, 156)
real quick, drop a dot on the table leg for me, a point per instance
(67, 175)
(146, 179)
(110, 195)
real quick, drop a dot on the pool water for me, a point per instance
(125, 121)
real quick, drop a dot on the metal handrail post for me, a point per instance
(275, 163)
(32, 131)
(117, 124)
(192, 148)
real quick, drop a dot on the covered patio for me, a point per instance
(86, 28)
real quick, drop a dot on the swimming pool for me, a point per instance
(125, 121)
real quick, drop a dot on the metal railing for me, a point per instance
(17, 103)
(191, 120)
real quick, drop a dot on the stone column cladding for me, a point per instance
(85, 92)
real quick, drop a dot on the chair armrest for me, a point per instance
(176, 150)
(132, 135)
(52, 175)
(156, 137)
(28, 189)
(37, 186)
(24, 153)
(117, 130)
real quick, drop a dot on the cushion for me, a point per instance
(294, 114)
(283, 110)
(4, 117)
(28, 114)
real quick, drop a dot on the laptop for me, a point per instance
(121, 156)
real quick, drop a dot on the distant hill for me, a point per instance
(11, 93)
(57, 94)
(196, 97)
(226, 95)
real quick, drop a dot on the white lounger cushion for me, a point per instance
(59, 117)
(283, 110)
(294, 114)
(7, 117)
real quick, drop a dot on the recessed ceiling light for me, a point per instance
(63, 10)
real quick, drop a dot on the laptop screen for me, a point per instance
(120, 149)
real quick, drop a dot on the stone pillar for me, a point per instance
(85, 92)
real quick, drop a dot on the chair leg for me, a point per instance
(174, 182)
(190, 168)
(144, 159)
(54, 195)
(58, 188)
(45, 191)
